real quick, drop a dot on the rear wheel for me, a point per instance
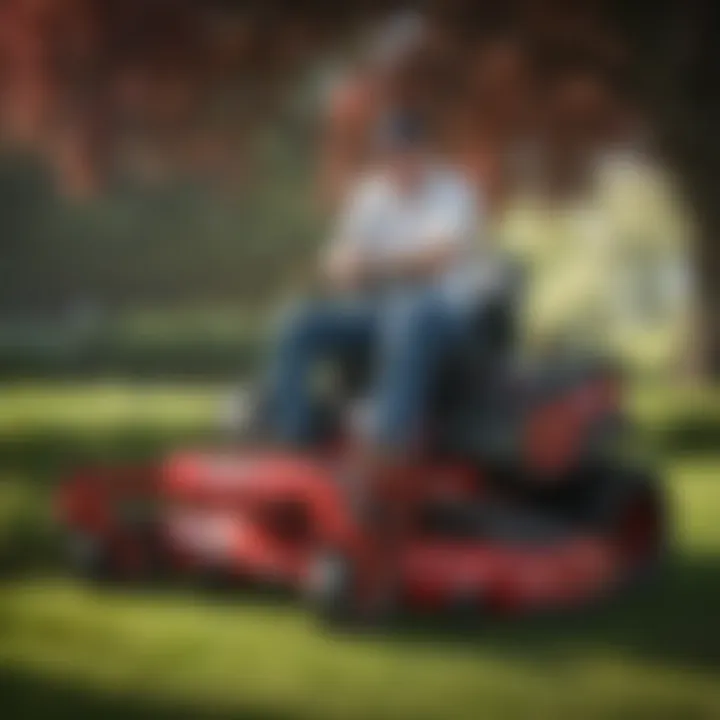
(631, 513)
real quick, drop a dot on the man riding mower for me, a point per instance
(465, 482)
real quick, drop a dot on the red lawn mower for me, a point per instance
(519, 500)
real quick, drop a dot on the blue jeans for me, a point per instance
(408, 333)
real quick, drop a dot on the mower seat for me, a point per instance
(489, 424)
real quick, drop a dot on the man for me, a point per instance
(402, 280)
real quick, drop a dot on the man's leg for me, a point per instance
(311, 333)
(414, 334)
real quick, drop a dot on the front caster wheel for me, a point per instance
(329, 588)
(337, 597)
(89, 557)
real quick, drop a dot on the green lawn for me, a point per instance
(68, 651)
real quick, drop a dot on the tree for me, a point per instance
(146, 92)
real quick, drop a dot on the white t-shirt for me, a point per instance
(381, 222)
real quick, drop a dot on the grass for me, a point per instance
(70, 651)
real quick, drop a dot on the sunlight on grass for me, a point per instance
(239, 656)
(34, 407)
(696, 493)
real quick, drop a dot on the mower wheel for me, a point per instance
(89, 557)
(333, 594)
(329, 588)
(631, 511)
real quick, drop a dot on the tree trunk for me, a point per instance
(698, 154)
(679, 57)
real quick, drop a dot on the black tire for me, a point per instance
(332, 594)
(330, 588)
(94, 558)
(631, 510)
(89, 557)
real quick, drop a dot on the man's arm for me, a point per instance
(451, 224)
(423, 262)
(346, 264)
(344, 268)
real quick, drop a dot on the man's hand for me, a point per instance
(345, 269)
(422, 264)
